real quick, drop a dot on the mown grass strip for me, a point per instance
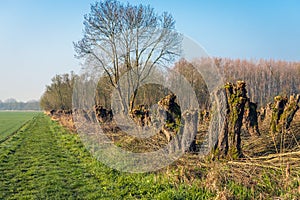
(45, 161)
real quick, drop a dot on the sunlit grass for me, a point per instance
(11, 121)
(43, 160)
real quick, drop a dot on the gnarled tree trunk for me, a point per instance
(283, 112)
(229, 140)
(251, 118)
(190, 122)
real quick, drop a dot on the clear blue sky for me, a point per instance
(36, 35)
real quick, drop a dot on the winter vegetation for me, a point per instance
(255, 154)
(257, 150)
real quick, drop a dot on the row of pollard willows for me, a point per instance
(242, 112)
(170, 122)
(280, 114)
(64, 117)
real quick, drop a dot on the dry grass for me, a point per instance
(270, 169)
(269, 143)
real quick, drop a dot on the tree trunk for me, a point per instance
(190, 122)
(131, 107)
(251, 118)
(229, 140)
(124, 107)
(290, 111)
(277, 111)
(283, 112)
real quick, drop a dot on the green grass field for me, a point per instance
(44, 161)
(12, 121)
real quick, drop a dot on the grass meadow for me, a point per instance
(10, 122)
(44, 161)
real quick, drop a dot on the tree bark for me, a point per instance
(229, 140)
(251, 118)
(190, 122)
(283, 112)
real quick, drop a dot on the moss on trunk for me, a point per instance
(283, 112)
(229, 140)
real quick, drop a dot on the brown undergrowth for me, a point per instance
(269, 170)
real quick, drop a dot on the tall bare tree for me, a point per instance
(127, 39)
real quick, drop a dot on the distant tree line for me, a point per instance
(12, 104)
(58, 95)
(265, 79)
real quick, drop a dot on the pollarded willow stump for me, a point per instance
(169, 114)
(265, 113)
(141, 115)
(290, 111)
(103, 115)
(190, 127)
(169, 111)
(229, 140)
(184, 139)
(283, 112)
(277, 111)
(251, 118)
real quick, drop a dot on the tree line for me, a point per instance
(265, 80)
(58, 95)
(12, 104)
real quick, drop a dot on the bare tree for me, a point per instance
(127, 39)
